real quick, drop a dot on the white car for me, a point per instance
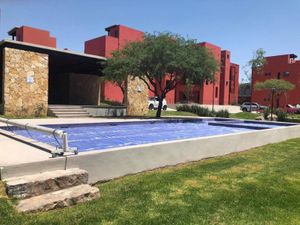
(153, 103)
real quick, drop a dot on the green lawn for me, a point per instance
(261, 186)
(152, 113)
(244, 115)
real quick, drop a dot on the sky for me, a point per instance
(240, 26)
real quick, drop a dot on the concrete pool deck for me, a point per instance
(112, 163)
(13, 152)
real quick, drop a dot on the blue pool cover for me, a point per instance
(99, 136)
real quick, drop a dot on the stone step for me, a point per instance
(71, 112)
(59, 199)
(65, 106)
(41, 183)
(68, 110)
(72, 115)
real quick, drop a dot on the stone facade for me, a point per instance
(137, 97)
(84, 89)
(25, 83)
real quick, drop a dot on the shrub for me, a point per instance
(202, 111)
(222, 113)
(281, 115)
(266, 113)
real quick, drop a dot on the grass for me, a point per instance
(244, 115)
(152, 113)
(261, 186)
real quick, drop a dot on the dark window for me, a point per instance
(278, 75)
(228, 56)
(116, 33)
(226, 83)
(168, 83)
(206, 82)
(286, 73)
(216, 94)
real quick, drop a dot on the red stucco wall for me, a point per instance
(275, 68)
(35, 36)
(119, 35)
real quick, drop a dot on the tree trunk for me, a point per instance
(272, 105)
(160, 103)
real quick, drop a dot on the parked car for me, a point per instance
(153, 103)
(250, 106)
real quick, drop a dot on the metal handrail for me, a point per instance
(55, 132)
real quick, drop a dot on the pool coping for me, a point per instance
(116, 162)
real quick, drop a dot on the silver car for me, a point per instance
(250, 106)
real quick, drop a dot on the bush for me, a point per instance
(266, 113)
(222, 113)
(281, 115)
(202, 111)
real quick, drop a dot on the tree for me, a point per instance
(162, 61)
(275, 87)
(116, 74)
(256, 64)
(188, 87)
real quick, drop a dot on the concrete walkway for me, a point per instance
(13, 152)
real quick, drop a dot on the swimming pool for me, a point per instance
(100, 136)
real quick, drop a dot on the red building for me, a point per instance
(224, 91)
(284, 67)
(33, 36)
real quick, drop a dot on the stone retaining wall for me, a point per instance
(25, 79)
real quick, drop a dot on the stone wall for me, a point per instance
(25, 78)
(84, 89)
(137, 97)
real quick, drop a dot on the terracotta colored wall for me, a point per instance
(111, 92)
(224, 77)
(234, 84)
(116, 39)
(209, 90)
(275, 68)
(118, 36)
(35, 36)
(102, 46)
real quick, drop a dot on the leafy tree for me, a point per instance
(188, 87)
(275, 87)
(116, 74)
(160, 57)
(256, 64)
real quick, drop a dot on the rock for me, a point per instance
(59, 199)
(37, 184)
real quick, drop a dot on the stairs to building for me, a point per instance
(51, 190)
(67, 111)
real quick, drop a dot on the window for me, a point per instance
(216, 94)
(227, 56)
(206, 82)
(286, 74)
(168, 83)
(278, 75)
(116, 34)
(226, 83)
